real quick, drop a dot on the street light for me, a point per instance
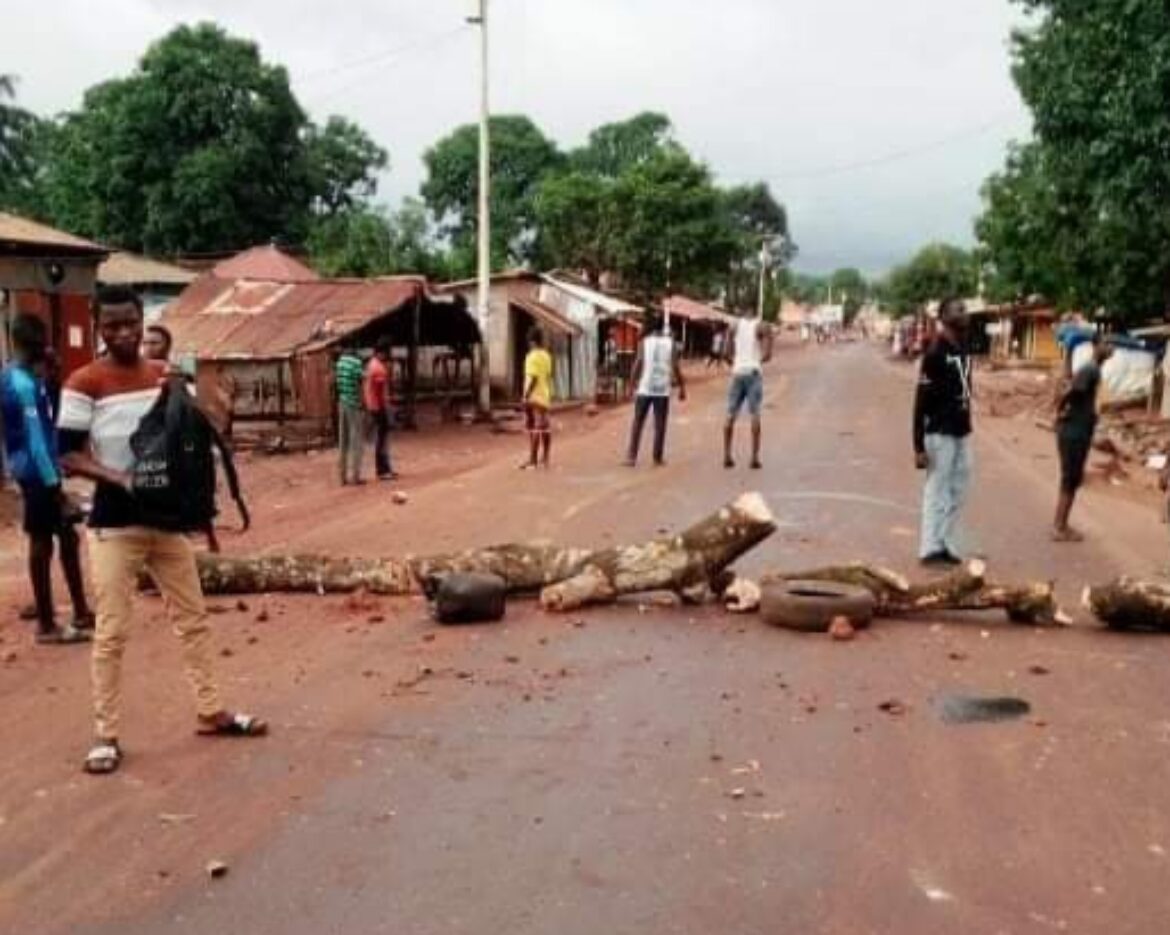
(479, 18)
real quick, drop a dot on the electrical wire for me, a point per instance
(895, 156)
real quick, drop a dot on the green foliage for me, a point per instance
(521, 157)
(756, 220)
(364, 241)
(343, 165)
(936, 272)
(577, 217)
(1081, 214)
(671, 230)
(850, 289)
(22, 138)
(615, 148)
(202, 148)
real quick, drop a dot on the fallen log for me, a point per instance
(965, 589)
(1132, 605)
(304, 574)
(692, 564)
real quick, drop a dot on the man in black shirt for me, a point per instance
(942, 434)
(1076, 421)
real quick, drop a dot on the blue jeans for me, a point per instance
(947, 480)
(745, 388)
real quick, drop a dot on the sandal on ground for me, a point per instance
(104, 758)
(232, 725)
(85, 624)
(62, 636)
(1067, 535)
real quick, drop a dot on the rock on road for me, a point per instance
(638, 769)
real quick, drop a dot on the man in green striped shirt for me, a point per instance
(350, 417)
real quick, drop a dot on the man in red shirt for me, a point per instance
(377, 399)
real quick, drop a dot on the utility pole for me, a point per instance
(763, 275)
(483, 303)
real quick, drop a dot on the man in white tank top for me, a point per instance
(751, 348)
(654, 368)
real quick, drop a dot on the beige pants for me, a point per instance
(116, 557)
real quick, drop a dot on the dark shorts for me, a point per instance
(536, 418)
(43, 511)
(1074, 454)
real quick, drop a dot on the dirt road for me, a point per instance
(636, 770)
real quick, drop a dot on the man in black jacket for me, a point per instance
(942, 434)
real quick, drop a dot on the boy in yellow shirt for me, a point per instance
(538, 368)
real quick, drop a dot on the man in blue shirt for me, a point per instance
(30, 440)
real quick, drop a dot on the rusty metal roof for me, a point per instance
(217, 318)
(679, 306)
(267, 262)
(549, 317)
(21, 232)
(130, 269)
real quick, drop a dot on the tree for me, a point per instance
(1081, 212)
(576, 216)
(758, 220)
(367, 241)
(936, 272)
(617, 147)
(671, 229)
(20, 135)
(521, 157)
(343, 165)
(1032, 234)
(203, 148)
(850, 290)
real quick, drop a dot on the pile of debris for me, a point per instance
(1016, 393)
(1136, 444)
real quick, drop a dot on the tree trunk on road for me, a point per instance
(689, 563)
(694, 559)
(965, 589)
(1129, 604)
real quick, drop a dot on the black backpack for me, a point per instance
(173, 478)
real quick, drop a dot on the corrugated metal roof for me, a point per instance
(267, 262)
(130, 269)
(219, 318)
(682, 307)
(606, 303)
(18, 230)
(549, 317)
(508, 275)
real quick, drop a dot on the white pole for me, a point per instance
(763, 274)
(483, 303)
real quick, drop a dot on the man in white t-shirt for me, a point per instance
(750, 348)
(654, 368)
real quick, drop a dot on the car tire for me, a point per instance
(810, 606)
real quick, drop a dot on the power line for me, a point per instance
(895, 156)
(381, 59)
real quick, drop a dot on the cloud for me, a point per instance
(876, 122)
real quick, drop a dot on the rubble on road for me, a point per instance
(1017, 393)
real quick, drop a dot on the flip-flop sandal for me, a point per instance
(103, 759)
(84, 624)
(236, 725)
(63, 636)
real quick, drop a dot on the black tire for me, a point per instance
(810, 606)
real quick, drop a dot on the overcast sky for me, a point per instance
(875, 121)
